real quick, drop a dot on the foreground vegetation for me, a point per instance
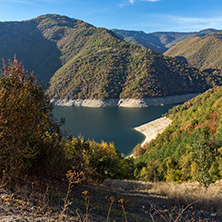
(41, 171)
(115, 200)
(32, 142)
(190, 148)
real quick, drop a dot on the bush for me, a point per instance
(97, 161)
(29, 135)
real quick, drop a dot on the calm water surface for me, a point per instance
(111, 124)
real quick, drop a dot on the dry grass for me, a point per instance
(209, 199)
(206, 199)
(148, 201)
(185, 202)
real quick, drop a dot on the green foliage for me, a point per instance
(190, 148)
(200, 52)
(30, 46)
(82, 61)
(98, 65)
(158, 41)
(204, 156)
(29, 136)
(107, 67)
(97, 161)
(32, 142)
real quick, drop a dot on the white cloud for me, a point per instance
(167, 22)
(133, 1)
(183, 23)
(150, 0)
(213, 22)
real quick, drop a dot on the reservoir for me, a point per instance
(110, 124)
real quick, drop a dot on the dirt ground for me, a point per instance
(131, 201)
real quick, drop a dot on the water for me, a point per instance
(111, 124)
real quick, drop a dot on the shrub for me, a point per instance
(29, 136)
(97, 161)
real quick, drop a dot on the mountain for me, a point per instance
(190, 148)
(78, 60)
(158, 41)
(204, 53)
(28, 43)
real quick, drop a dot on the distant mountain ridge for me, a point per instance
(204, 53)
(80, 61)
(159, 41)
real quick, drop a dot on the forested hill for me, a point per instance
(35, 42)
(190, 149)
(27, 42)
(203, 53)
(159, 41)
(79, 60)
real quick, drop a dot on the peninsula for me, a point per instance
(152, 129)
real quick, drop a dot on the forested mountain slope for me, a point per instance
(78, 60)
(113, 68)
(190, 148)
(204, 53)
(158, 41)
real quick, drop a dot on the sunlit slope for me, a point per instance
(77, 60)
(190, 148)
(203, 53)
(159, 41)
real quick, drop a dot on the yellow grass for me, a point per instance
(207, 199)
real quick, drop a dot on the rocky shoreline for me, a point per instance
(159, 101)
(152, 129)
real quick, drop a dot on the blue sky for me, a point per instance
(145, 15)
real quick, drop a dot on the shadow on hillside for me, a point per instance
(213, 71)
(170, 195)
(138, 199)
(136, 203)
(181, 58)
(28, 43)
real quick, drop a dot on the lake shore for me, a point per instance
(130, 103)
(152, 129)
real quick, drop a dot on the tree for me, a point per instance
(204, 157)
(28, 132)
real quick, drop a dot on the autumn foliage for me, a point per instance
(190, 149)
(28, 132)
(31, 141)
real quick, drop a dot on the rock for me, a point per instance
(159, 101)
(153, 128)
(213, 214)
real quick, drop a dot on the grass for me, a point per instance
(206, 199)
(149, 202)
(169, 199)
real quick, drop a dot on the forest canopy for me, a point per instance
(190, 149)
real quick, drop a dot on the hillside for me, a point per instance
(27, 42)
(46, 175)
(158, 41)
(200, 52)
(122, 70)
(190, 148)
(80, 61)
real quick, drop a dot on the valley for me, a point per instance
(175, 174)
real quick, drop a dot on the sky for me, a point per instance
(139, 15)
